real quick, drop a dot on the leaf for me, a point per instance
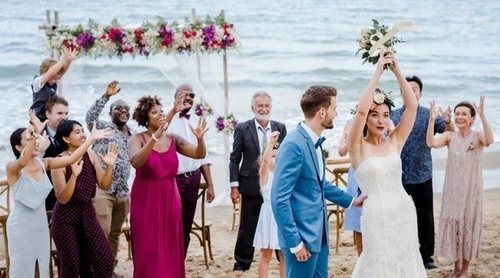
(365, 55)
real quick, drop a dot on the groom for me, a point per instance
(299, 188)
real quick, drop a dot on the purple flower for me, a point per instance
(85, 40)
(209, 36)
(167, 35)
(219, 123)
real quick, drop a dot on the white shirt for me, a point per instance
(38, 84)
(268, 131)
(180, 127)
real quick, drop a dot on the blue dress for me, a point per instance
(352, 215)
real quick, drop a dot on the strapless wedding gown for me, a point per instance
(388, 222)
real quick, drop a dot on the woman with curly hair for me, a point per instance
(155, 205)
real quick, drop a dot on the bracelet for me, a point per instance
(154, 137)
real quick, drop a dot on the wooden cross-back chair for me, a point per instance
(338, 168)
(201, 227)
(4, 213)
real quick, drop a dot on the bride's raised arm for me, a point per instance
(404, 127)
(363, 108)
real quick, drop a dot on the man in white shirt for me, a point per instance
(190, 170)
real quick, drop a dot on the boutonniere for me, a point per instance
(326, 153)
(471, 146)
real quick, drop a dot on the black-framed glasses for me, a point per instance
(191, 95)
(121, 107)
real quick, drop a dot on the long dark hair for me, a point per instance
(15, 140)
(64, 130)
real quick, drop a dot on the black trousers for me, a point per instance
(422, 196)
(250, 210)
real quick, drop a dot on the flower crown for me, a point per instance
(383, 97)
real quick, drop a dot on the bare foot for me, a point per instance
(454, 274)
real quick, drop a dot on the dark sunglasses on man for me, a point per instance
(121, 107)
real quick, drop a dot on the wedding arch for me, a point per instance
(192, 37)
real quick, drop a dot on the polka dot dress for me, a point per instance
(82, 246)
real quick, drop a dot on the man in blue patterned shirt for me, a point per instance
(112, 206)
(417, 169)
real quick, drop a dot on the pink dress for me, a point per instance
(460, 224)
(156, 218)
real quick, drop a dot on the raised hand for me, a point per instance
(201, 129)
(386, 58)
(180, 104)
(274, 137)
(445, 114)
(97, 134)
(163, 124)
(69, 54)
(480, 108)
(433, 110)
(76, 168)
(113, 88)
(35, 121)
(110, 158)
(42, 142)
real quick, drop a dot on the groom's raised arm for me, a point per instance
(336, 195)
(289, 162)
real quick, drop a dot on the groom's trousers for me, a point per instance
(422, 196)
(316, 266)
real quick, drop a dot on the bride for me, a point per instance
(389, 220)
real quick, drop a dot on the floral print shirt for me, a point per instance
(416, 156)
(121, 172)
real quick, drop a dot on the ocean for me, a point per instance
(286, 47)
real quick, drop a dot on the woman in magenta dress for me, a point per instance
(155, 207)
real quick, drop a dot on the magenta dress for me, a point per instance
(156, 218)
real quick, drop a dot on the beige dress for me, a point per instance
(460, 223)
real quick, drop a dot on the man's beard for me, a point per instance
(328, 125)
(262, 117)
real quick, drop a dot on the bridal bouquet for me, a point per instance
(372, 40)
(226, 124)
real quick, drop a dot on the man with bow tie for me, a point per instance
(299, 188)
(190, 170)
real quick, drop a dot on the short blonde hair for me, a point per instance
(46, 64)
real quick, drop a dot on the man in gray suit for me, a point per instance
(250, 140)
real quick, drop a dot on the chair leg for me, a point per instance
(209, 241)
(337, 243)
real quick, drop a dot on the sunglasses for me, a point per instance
(191, 95)
(121, 107)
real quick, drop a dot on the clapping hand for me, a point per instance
(274, 137)
(76, 168)
(201, 129)
(113, 88)
(480, 108)
(97, 134)
(162, 126)
(110, 158)
(445, 114)
(433, 111)
(35, 121)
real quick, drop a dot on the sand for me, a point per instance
(341, 264)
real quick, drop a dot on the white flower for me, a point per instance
(379, 98)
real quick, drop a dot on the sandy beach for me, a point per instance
(341, 264)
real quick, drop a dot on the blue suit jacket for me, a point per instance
(298, 193)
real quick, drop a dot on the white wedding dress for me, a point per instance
(388, 222)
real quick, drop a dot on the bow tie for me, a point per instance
(319, 142)
(185, 115)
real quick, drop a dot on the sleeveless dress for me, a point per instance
(82, 247)
(460, 223)
(388, 222)
(27, 226)
(352, 216)
(156, 217)
(266, 233)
